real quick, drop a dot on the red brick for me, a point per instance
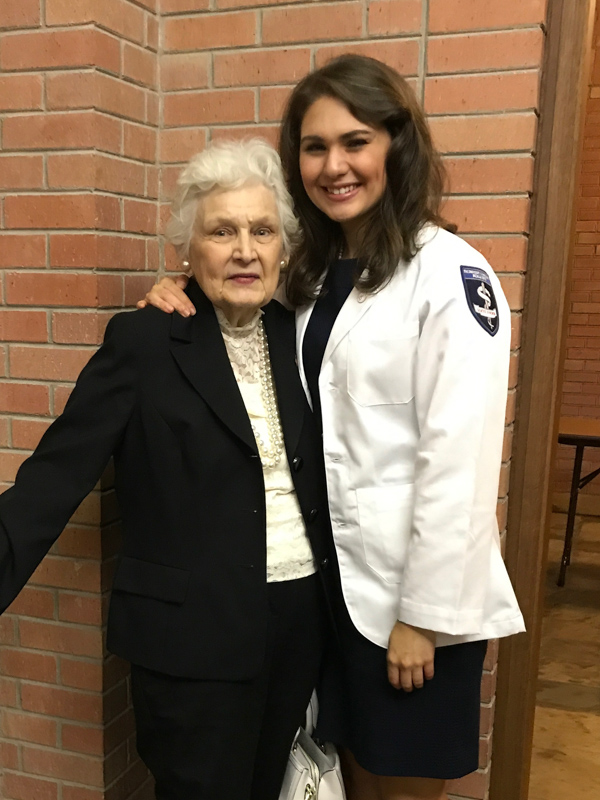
(189, 71)
(54, 764)
(76, 541)
(26, 433)
(314, 23)
(473, 785)
(20, 92)
(464, 15)
(505, 253)
(136, 287)
(47, 363)
(79, 793)
(51, 289)
(139, 141)
(4, 433)
(31, 666)
(498, 214)
(180, 144)
(475, 52)
(120, 16)
(60, 131)
(50, 49)
(394, 16)
(490, 174)
(272, 102)
(83, 740)
(21, 172)
(81, 674)
(18, 250)
(514, 288)
(120, 98)
(209, 31)
(56, 638)
(204, 108)
(22, 787)
(9, 755)
(465, 94)
(268, 132)
(64, 703)
(139, 65)
(80, 328)
(19, 13)
(73, 171)
(71, 90)
(8, 694)
(9, 464)
(67, 573)
(251, 67)
(82, 608)
(400, 54)
(179, 6)
(140, 216)
(479, 134)
(23, 326)
(60, 211)
(24, 398)
(29, 727)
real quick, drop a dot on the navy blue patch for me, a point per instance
(480, 298)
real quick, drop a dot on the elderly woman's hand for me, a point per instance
(410, 656)
(169, 296)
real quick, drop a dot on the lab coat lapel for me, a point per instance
(357, 303)
(198, 348)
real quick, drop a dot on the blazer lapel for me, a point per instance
(282, 351)
(198, 348)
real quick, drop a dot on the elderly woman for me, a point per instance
(217, 596)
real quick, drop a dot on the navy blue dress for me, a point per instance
(431, 732)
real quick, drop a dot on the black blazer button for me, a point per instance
(325, 563)
(312, 515)
(297, 463)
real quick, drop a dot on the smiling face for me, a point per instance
(236, 250)
(342, 162)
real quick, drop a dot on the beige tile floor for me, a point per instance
(566, 745)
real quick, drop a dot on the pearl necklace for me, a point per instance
(270, 456)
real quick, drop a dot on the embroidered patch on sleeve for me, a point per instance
(480, 298)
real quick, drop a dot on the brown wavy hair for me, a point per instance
(379, 97)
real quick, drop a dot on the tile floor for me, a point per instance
(566, 745)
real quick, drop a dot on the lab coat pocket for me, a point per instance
(385, 519)
(380, 368)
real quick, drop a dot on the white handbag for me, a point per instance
(313, 772)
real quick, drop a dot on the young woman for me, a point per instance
(403, 343)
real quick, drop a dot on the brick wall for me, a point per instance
(581, 380)
(96, 118)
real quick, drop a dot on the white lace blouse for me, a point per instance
(289, 553)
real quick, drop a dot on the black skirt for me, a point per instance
(431, 732)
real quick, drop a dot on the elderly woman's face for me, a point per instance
(236, 249)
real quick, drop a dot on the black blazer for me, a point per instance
(189, 595)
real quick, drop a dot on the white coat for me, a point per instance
(413, 392)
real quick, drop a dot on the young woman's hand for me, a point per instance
(168, 295)
(410, 656)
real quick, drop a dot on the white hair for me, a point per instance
(229, 165)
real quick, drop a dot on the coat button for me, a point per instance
(312, 515)
(325, 563)
(297, 463)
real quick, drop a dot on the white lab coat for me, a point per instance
(413, 394)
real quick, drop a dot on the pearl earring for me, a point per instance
(282, 264)
(186, 264)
